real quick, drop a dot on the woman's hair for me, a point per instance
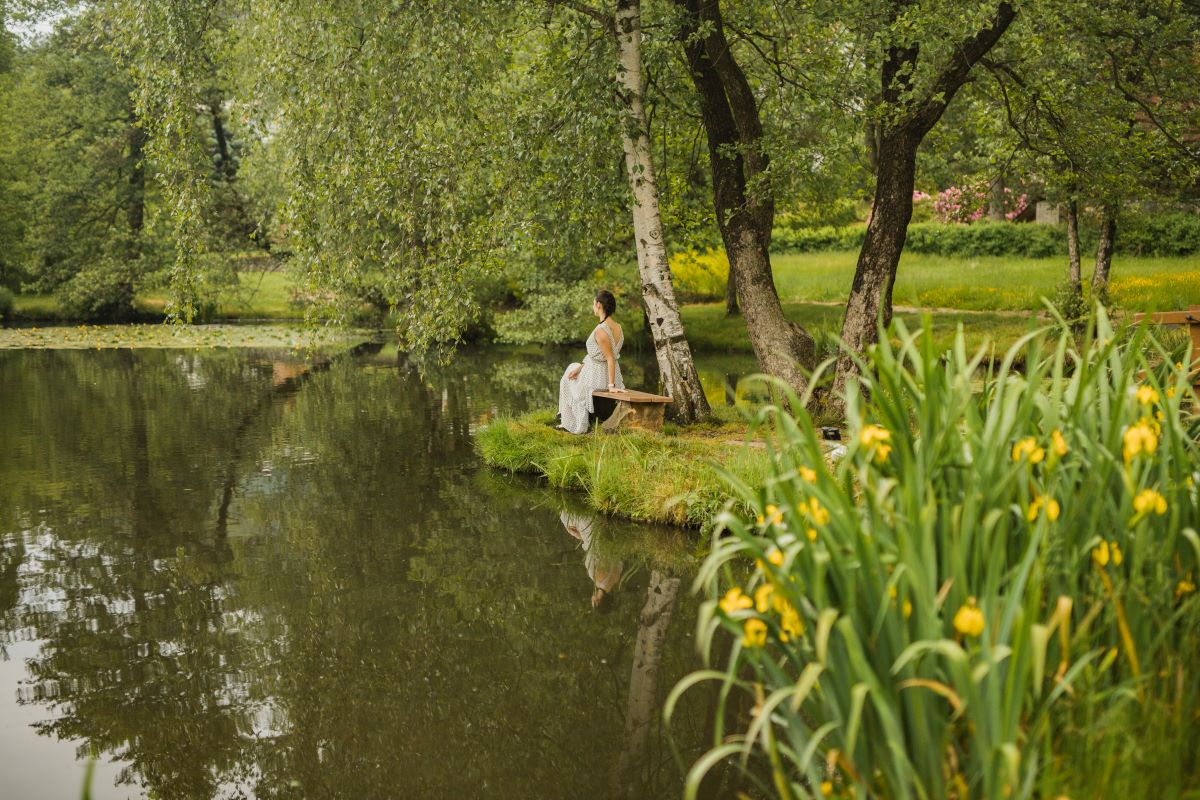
(606, 300)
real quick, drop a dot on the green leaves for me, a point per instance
(955, 627)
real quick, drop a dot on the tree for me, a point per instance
(1084, 96)
(742, 200)
(924, 59)
(85, 192)
(674, 355)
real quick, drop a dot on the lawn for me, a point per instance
(992, 283)
(709, 329)
(258, 295)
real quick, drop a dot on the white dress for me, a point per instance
(575, 396)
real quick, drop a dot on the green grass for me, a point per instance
(709, 329)
(993, 283)
(35, 307)
(669, 478)
(258, 295)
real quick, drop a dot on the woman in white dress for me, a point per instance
(600, 368)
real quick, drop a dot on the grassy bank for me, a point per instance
(670, 478)
(992, 283)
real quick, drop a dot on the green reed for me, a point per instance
(992, 594)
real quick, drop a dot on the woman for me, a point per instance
(599, 370)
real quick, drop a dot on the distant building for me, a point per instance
(1047, 213)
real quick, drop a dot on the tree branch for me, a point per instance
(966, 55)
(1128, 94)
(604, 19)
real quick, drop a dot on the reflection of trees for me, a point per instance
(129, 595)
(330, 593)
(632, 771)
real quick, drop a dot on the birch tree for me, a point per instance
(671, 349)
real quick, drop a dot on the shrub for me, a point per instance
(699, 276)
(6, 304)
(987, 239)
(811, 240)
(830, 213)
(1175, 233)
(1166, 234)
(991, 594)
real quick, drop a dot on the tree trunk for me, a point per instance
(731, 122)
(1074, 272)
(136, 209)
(671, 349)
(731, 301)
(996, 200)
(227, 166)
(135, 215)
(1104, 253)
(874, 277)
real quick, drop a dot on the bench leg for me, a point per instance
(644, 416)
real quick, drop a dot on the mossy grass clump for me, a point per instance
(677, 477)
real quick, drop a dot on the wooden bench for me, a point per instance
(1191, 318)
(630, 409)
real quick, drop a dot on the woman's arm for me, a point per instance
(606, 348)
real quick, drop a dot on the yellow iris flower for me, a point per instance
(735, 600)
(1140, 438)
(1028, 448)
(968, 620)
(1148, 500)
(754, 633)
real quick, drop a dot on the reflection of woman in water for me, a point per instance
(604, 572)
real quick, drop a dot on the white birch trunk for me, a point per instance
(662, 311)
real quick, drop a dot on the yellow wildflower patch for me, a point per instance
(1059, 443)
(1147, 395)
(762, 598)
(818, 513)
(1105, 552)
(790, 623)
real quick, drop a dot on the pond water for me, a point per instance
(223, 574)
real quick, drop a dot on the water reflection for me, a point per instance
(603, 569)
(233, 574)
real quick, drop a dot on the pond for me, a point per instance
(226, 574)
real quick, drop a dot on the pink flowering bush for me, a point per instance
(962, 204)
(967, 204)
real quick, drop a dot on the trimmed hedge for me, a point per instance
(1167, 234)
(814, 240)
(1175, 233)
(987, 239)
